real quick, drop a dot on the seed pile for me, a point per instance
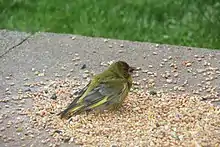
(163, 119)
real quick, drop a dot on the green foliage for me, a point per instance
(180, 22)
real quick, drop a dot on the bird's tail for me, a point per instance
(64, 114)
(71, 110)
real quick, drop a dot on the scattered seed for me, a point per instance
(151, 81)
(154, 53)
(165, 60)
(206, 63)
(150, 66)
(68, 75)
(174, 81)
(161, 65)
(83, 66)
(86, 71)
(57, 75)
(138, 68)
(54, 96)
(176, 75)
(169, 81)
(73, 37)
(44, 141)
(199, 59)
(201, 70)
(120, 51)
(2, 129)
(189, 70)
(145, 71)
(12, 84)
(7, 106)
(7, 78)
(194, 73)
(19, 130)
(85, 76)
(71, 70)
(105, 40)
(196, 56)
(185, 83)
(152, 92)
(188, 64)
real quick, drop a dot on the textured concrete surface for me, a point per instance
(10, 39)
(50, 52)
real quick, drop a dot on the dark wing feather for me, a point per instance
(101, 92)
(74, 102)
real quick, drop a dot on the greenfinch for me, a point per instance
(106, 91)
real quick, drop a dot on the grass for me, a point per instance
(179, 22)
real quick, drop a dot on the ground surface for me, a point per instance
(46, 56)
(190, 23)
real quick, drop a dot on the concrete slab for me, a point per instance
(54, 55)
(8, 39)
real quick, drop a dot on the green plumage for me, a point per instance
(106, 90)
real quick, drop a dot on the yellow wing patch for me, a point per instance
(76, 108)
(105, 99)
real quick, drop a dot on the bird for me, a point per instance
(106, 91)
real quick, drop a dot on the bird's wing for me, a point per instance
(104, 93)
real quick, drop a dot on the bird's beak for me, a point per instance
(131, 69)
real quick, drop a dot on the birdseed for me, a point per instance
(145, 119)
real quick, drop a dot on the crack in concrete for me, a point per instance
(20, 43)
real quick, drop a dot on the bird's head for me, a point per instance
(122, 68)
